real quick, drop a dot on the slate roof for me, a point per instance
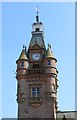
(37, 38)
(49, 54)
(23, 55)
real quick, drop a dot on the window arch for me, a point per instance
(37, 29)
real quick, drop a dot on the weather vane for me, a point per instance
(37, 17)
(37, 9)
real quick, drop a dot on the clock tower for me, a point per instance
(37, 78)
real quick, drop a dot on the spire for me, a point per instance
(23, 54)
(37, 33)
(37, 17)
(49, 53)
(37, 9)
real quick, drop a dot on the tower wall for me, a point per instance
(37, 78)
(41, 109)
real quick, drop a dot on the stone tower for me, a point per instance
(37, 78)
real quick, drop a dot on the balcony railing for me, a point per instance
(35, 71)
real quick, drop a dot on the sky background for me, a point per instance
(59, 30)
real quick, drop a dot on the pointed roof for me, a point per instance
(49, 53)
(37, 38)
(23, 54)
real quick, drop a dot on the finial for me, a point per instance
(23, 47)
(37, 9)
(49, 46)
(37, 17)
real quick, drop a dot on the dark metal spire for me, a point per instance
(37, 17)
(23, 46)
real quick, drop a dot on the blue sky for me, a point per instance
(59, 30)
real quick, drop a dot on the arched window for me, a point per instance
(37, 29)
(49, 62)
(22, 64)
(36, 66)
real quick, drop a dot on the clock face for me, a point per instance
(36, 56)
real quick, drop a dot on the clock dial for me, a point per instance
(36, 56)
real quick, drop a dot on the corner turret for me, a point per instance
(50, 61)
(22, 63)
(49, 54)
(23, 55)
(51, 71)
(22, 67)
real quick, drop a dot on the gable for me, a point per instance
(36, 46)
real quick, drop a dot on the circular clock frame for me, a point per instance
(36, 56)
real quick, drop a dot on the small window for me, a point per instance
(35, 92)
(49, 62)
(22, 64)
(37, 29)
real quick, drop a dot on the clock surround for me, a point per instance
(36, 56)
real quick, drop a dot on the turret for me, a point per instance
(22, 64)
(51, 72)
(22, 67)
(50, 62)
